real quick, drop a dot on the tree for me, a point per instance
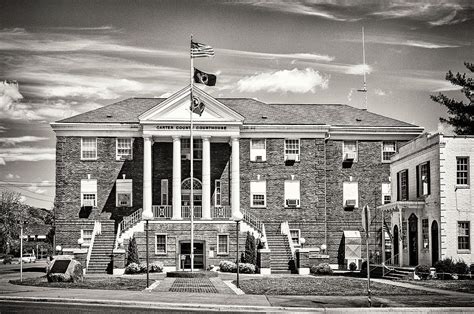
(250, 255)
(461, 115)
(132, 256)
(11, 211)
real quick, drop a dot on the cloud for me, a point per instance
(10, 154)
(12, 176)
(358, 69)
(36, 189)
(380, 92)
(21, 139)
(296, 81)
(265, 55)
(9, 94)
(2, 129)
(44, 183)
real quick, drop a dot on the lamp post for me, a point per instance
(147, 215)
(237, 217)
(302, 241)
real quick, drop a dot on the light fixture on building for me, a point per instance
(323, 248)
(302, 242)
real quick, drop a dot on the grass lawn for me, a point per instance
(109, 283)
(324, 285)
(453, 285)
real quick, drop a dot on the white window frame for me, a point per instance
(458, 158)
(226, 235)
(94, 149)
(286, 193)
(164, 190)
(119, 156)
(387, 192)
(286, 149)
(128, 190)
(299, 236)
(254, 152)
(255, 193)
(356, 150)
(86, 242)
(468, 236)
(423, 186)
(346, 197)
(217, 191)
(156, 243)
(88, 193)
(425, 234)
(388, 151)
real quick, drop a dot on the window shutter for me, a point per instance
(398, 186)
(428, 176)
(408, 187)
(164, 192)
(418, 181)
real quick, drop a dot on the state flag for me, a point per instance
(204, 78)
(197, 106)
(199, 50)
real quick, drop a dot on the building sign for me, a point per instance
(186, 127)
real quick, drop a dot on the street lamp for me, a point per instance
(147, 215)
(237, 217)
(302, 241)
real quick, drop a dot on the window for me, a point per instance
(423, 179)
(124, 149)
(88, 148)
(464, 235)
(386, 193)
(425, 233)
(349, 151)
(86, 236)
(124, 189)
(222, 244)
(388, 150)
(292, 150)
(218, 193)
(295, 236)
(292, 193)
(462, 170)
(185, 149)
(88, 193)
(258, 151)
(258, 193)
(160, 243)
(402, 185)
(164, 192)
(350, 195)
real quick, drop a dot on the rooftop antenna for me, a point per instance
(364, 88)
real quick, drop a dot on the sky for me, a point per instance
(69, 57)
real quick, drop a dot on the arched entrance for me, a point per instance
(434, 243)
(396, 245)
(186, 192)
(413, 240)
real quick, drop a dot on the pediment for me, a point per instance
(177, 109)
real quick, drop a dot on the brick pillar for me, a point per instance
(302, 261)
(119, 262)
(263, 261)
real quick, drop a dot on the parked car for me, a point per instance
(28, 258)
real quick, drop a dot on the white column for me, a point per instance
(147, 166)
(206, 178)
(235, 177)
(176, 177)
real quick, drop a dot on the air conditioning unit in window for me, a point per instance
(186, 156)
(292, 202)
(125, 157)
(350, 204)
(292, 157)
(350, 157)
(259, 158)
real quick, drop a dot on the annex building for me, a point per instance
(295, 171)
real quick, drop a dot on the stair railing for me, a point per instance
(285, 229)
(390, 263)
(264, 235)
(97, 230)
(129, 221)
(252, 220)
(117, 237)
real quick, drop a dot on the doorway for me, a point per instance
(396, 246)
(434, 243)
(185, 255)
(413, 240)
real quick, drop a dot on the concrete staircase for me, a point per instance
(280, 253)
(102, 249)
(399, 273)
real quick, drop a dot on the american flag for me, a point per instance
(199, 50)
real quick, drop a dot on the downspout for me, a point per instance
(328, 136)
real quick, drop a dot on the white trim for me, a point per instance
(254, 152)
(285, 155)
(167, 192)
(166, 244)
(82, 148)
(299, 236)
(382, 151)
(252, 193)
(356, 150)
(215, 192)
(228, 244)
(97, 129)
(120, 157)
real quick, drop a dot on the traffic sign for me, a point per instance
(366, 219)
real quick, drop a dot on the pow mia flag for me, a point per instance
(204, 78)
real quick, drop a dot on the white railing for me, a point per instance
(252, 220)
(264, 235)
(97, 230)
(285, 229)
(221, 212)
(186, 211)
(131, 220)
(117, 238)
(162, 211)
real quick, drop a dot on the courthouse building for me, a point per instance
(294, 170)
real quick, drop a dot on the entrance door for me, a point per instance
(413, 239)
(396, 246)
(185, 255)
(434, 243)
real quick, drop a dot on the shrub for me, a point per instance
(246, 268)
(250, 255)
(7, 259)
(445, 266)
(227, 267)
(423, 271)
(321, 269)
(156, 267)
(133, 268)
(132, 256)
(461, 268)
(352, 266)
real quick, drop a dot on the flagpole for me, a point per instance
(191, 144)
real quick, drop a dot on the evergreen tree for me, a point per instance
(250, 253)
(132, 254)
(461, 115)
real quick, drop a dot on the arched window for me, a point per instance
(186, 191)
(186, 184)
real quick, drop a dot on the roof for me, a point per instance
(254, 111)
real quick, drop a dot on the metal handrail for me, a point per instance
(131, 220)
(264, 235)
(252, 220)
(285, 229)
(117, 237)
(97, 230)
